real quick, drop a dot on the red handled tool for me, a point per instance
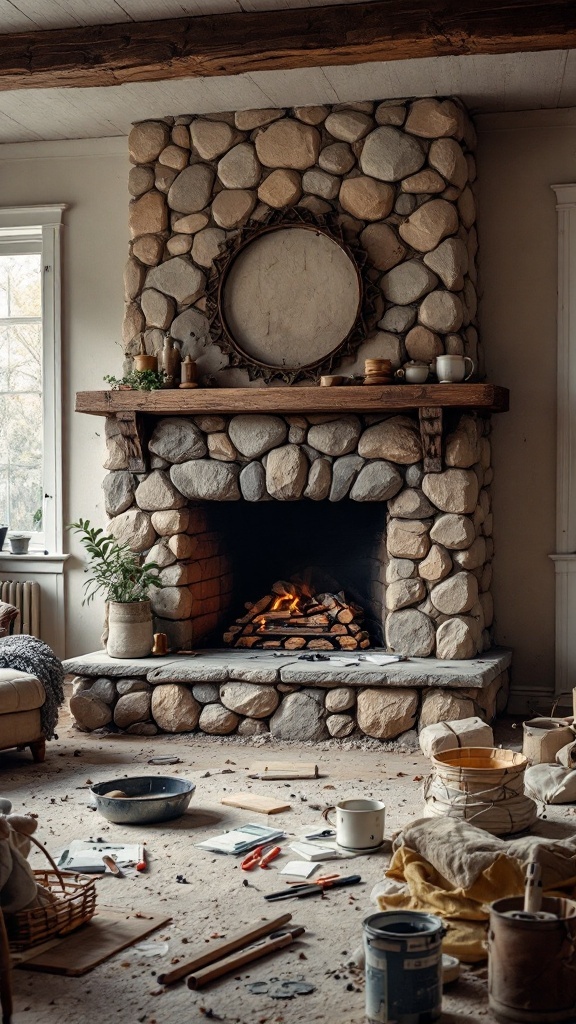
(260, 858)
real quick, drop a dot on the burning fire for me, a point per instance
(287, 603)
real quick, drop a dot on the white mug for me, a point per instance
(414, 373)
(452, 369)
(359, 823)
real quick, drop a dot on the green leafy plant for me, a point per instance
(115, 570)
(138, 380)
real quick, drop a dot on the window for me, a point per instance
(30, 403)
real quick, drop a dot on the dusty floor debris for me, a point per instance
(215, 901)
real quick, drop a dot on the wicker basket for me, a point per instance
(74, 905)
(481, 785)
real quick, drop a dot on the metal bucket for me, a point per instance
(403, 967)
(532, 962)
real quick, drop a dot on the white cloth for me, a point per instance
(551, 783)
(468, 732)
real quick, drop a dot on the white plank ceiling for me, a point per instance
(517, 81)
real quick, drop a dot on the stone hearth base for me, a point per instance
(254, 692)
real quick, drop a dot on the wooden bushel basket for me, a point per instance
(74, 905)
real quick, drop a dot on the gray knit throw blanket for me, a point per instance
(27, 654)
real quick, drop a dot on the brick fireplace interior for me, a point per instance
(332, 547)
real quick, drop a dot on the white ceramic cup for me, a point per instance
(452, 369)
(359, 824)
(414, 373)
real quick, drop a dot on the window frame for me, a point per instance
(44, 224)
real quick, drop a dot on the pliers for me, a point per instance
(257, 857)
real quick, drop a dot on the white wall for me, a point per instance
(91, 176)
(519, 157)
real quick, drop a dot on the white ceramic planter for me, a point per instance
(19, 543)
(130, 633)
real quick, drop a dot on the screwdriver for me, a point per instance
(314, 889)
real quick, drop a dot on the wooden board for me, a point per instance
(352, 398)
(109, 932)
(234, 43)
(255, 802)
(284, 770)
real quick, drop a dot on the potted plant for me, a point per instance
(125, 581)
(137, 380)
(19, 542)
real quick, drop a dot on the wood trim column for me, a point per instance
(564, 557)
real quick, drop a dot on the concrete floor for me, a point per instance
(214, 902)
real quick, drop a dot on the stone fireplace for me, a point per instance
(387, 498)
(233, 503)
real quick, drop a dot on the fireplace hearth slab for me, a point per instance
(477, 673)
(260, 667)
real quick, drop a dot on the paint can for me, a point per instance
(403, 952)
(532, 961)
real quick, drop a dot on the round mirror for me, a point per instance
(289, 297)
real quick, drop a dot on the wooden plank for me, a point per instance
(255, 802)
(219, 950)
(431, 434)
(229, 44)
(109, 932)
(284, 769)
(294, 399)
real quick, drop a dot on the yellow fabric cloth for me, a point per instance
(464, 911)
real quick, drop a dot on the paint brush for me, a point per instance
(533, 888)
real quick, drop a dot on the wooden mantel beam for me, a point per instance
(229, 44)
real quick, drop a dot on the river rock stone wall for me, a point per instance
(432, 585)
(398, 175)
(284, 711)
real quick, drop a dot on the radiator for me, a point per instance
(26, 598)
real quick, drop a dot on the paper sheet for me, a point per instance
(300, 868)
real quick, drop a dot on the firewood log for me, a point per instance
(283, 588)
(310, 620)
(256, 609)
(345, 615)
(320, 645)
(347, 643)
(294, 643)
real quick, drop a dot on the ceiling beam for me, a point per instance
(229, 44)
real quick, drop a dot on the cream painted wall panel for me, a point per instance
(519, 157)
(91, 177)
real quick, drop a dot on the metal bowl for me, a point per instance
(149, 798)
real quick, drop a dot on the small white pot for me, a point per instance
(19, 543)
(130, 633)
